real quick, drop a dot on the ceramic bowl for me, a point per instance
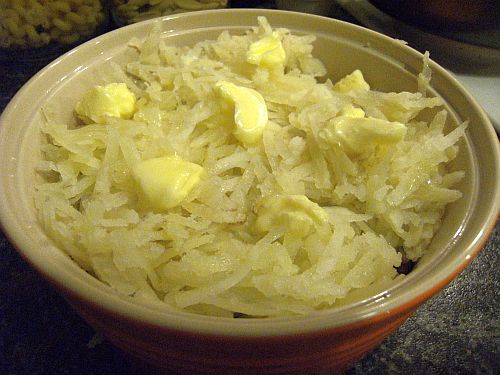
(326, 342)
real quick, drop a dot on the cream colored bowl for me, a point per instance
(329, 340)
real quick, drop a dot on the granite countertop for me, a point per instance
(457, 331)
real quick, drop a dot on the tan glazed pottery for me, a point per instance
(328, 341)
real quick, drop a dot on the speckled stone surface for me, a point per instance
(456, 332)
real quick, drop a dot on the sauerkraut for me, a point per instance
(370, 210)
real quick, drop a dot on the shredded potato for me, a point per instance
(376, 209)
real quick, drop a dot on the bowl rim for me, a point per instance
(104, 298)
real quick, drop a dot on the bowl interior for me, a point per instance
(387, 64)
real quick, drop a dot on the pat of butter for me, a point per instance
(351, 111)
(112, 100)
(352, 82)
(357, 134)
(164, 182)
(297, 213)
(250, 111)
(267, 52)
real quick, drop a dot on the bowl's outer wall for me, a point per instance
(327, 341)
(329, 351)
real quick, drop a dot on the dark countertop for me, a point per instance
(457, 331)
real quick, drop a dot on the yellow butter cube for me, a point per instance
(250, 111)
(299, 215)
(112, 100)
(267, 52)
(351, 111)
(166, 181)
(360, 134)
(352, 82)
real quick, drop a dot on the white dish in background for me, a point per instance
(487, 92)
(477, 67)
